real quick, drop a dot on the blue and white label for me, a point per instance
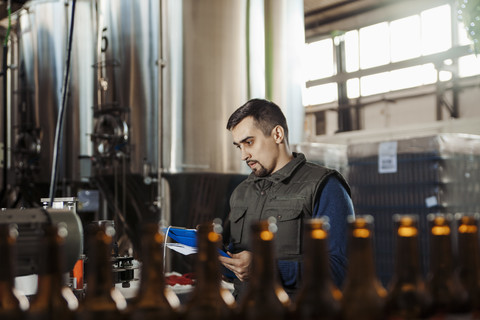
(387, 157)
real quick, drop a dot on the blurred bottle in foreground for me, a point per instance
(363, 294)
(102, 300)
(449, 297)
(469, 259)
(265, 298)
(208, 299)
(12, 303)
(154, 300)
(318, 297)
(407, 295)
(53, 300)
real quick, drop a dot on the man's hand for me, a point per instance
(239, 263)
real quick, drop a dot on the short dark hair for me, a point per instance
(267, 115)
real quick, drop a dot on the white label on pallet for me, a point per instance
(387, 157)
(431, 201)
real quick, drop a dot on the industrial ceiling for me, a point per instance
(15, 5)
(322, 17)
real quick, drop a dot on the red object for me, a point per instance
(78, 274)
(185, 279)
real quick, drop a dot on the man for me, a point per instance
(284, 185)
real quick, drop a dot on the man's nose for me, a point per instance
(245, 155)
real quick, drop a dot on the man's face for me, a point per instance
(260, 152)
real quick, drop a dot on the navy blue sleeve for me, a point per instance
(336, 204)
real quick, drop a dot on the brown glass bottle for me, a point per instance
(102, 300)
(449, 297)
(469, 259)
(12, 303)
(363, 294)
(208, 299)
(53, 300)
(318, 297)
(407, 295)
(154, 300)
(264, 299)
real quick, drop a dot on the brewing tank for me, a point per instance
(231, 51)
(41, 28)
(153, 81)
(126, 103)
(169, 73)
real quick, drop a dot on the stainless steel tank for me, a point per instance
(166, 76)
(127, 72)
(285, 32)
(42, 29)
(215, 82)
(232, 51)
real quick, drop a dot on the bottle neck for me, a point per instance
(315, 264)
(99, 279)
(469, 257)
(263, 264)
(52, 265)
(49, 284)
(361, 261)
(208, 266)
(7, 267)
(441, 263)
(153, 280)
(407, 263)
(6, 286)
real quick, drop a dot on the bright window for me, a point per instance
(412, 77)
(426, 33)
(320, 94)
(469, 66)
(405, 38)
(352, 61)
(436, 30)
(375, 83)
(462, 35)
(353, 88)
(320, 60)
(374, 45)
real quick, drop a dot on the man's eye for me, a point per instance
(237, 146)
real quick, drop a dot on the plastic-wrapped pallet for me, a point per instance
(431, 174)
(333, 156)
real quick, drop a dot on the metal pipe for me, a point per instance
(160, 64)
(5, 112)
(60, 119)
(5, 121)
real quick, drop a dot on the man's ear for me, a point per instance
(278, 134)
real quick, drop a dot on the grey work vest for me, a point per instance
(289, 195)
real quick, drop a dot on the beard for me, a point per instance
(260, 172)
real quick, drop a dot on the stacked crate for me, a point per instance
(432, 174)
(333, 156)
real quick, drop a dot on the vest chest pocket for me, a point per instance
(237, 222)
(289, 234)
